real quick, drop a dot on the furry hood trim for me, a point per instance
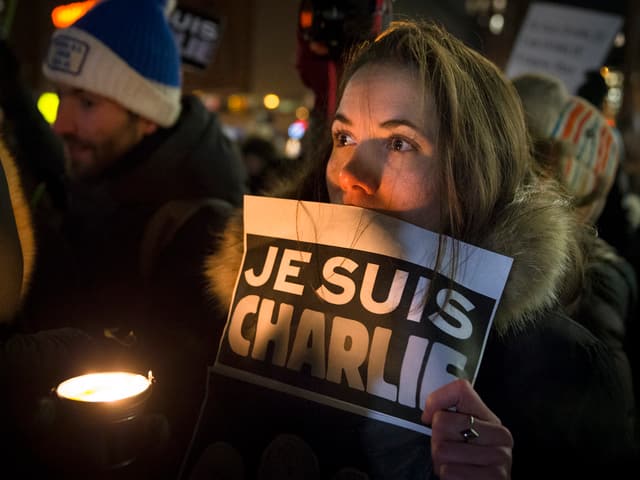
(533, 230)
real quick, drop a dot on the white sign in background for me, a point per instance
(329, 306)
(563, 41)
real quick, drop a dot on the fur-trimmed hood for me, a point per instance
(535, 229)
(17, 242)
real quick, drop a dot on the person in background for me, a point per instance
(40, 152)
(264, 165)
(326, 31)
(151, 177)
(31, 363)
(574, 143)
(430, 132)
(618, 223)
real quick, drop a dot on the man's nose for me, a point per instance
(64, 123)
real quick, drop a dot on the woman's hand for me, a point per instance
(467, 439)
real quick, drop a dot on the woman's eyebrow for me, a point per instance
(400, 122)
(341, 118)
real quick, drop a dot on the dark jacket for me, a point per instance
(125, 262)
(551, 381)
(32, 363)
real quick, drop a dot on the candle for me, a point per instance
(104, 386)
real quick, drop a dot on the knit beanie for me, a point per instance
(124, 50)
(589, 168)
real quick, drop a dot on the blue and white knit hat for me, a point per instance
(124, 50)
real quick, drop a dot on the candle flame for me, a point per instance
(103, 387)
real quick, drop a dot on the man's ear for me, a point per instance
(147, 126)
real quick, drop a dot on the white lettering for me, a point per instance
(393, 297)
(348, 348)
(443, 299)
(376, 383)
(309, 344)
(345, 283)
(278, 332)
(288, 270)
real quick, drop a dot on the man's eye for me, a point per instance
(87, 103)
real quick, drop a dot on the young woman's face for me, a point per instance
(384, 155)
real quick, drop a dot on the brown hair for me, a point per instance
(482, 140)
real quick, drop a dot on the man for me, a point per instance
(143, 163)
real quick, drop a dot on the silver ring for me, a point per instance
(470, 433)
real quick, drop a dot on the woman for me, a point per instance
(430, 132)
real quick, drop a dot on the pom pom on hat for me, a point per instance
(124, 50)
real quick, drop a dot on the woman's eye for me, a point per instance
(398, 144)
(342, 139)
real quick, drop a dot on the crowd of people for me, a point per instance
(122, 233)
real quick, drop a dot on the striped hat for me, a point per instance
(588, 157)
(595, 152)
(124, 50)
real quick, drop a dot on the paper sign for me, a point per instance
(329, 305)
(563, 41)
(197, 36)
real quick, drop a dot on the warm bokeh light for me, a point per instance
(302, 113)
(271, 101)
(103, 387)
(48, 106)
(64, 15)
(237, 103)
(306, 19)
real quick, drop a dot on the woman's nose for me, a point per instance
(361, 170)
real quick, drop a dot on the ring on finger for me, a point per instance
(470, 433)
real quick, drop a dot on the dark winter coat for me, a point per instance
(31, 363)
(125, 262)
(556, 385)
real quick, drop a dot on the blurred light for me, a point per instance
(236, 103)
(306, 19)
(604, 71)
(234, 133)
(296, 129)
(48, 106)
(619, 40)
(211, 101)
(271, 101)
(496, 23)
(614, 78)
(302, 113)
(287, 106)
(64, 15)
(499, 5)
(292, 148)
(614, 95)
(475, 7)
